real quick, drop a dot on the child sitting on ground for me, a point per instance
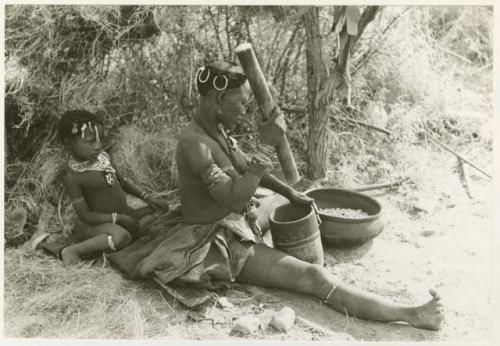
(98, 192)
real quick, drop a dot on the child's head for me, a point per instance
(81, 134)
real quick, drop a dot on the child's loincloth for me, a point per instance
(203, 255)
(83, 230)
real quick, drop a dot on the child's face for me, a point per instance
(88, 147)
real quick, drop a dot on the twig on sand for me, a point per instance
(361, 123)
(457, 155)
(370, 126)
(365, 124)
(463, 177)
(379, 186)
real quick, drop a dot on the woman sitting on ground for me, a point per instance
(216, 184)
(214, 237)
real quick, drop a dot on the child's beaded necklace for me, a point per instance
(102, 162)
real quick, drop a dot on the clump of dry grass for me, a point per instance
(37, 187)
(44, 299)
(147, 158)
(36, 180)
(60, 57)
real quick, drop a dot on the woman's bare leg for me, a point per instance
(268, 267)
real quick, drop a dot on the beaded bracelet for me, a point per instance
(114, 216)
(144, 195)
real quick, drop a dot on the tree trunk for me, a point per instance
(321, 85)
(318, 139)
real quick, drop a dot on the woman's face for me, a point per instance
(233, 105)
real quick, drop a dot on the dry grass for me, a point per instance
(44, 299)
(147, 158)
(37, 187)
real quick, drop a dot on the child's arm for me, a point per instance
(85, 213)
(127, 186)
(131, 188)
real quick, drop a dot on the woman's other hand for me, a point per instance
(273, 130)
(258, 164)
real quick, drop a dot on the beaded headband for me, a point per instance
(211, 78)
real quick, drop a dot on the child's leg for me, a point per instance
(271, 268)
(146, 221)
(145, 216)
(105, 237)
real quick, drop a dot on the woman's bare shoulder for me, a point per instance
(193, 150)
(192, 140)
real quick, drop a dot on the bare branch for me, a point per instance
(216, 29)
(228, 35)
(288, 48)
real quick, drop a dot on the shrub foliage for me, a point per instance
(135, 66)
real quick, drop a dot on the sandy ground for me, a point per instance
(448, 250)
(446, 246)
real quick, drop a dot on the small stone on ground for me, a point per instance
(284, 319)
(246, 325)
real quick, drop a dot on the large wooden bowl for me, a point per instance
(346, 232)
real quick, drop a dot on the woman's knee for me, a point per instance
(315, 272)
(319, 279)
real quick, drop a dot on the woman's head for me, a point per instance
(81, 134)
(225, 90)
(219, 76)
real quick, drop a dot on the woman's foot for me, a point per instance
(429, 315)
(70, 255)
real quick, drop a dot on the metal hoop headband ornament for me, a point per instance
(225, 85)
(208, 78)
(200, 72)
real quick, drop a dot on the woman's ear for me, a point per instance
(219, 96)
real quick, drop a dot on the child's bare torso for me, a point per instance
(99, 195)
